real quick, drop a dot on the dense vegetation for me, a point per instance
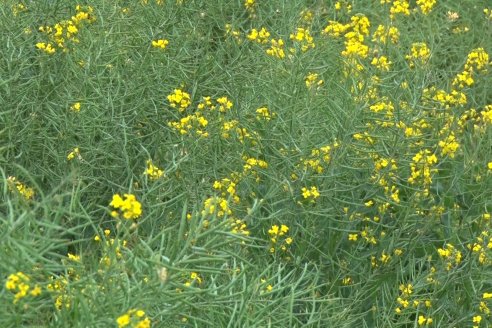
(245, 163)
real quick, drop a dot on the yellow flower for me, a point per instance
(152, 171)
(399, 7)
(424, 321)
(426, 5)
(313, 81)
(381, 63)
(276, 49)
(20, 284)
(135, 318)
(179, 99)
(250, 5)
(75, 107)
(129, 207)
(73, 257)
(262, 36)
(310, 194)
(123, 321)
(15, 186)
(74, 153)
(406, 289)
(419, 54)
(273, 230)
(263, 113)
(303, 37)
(161, 43)
(46, 47)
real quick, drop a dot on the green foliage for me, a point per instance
(171, 157)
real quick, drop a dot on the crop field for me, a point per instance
(246, 163)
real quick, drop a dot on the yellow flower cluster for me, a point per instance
(268, 288)
(276, 49)
(46, 47)
(262, 36)
(216, 206)
(20, 284)
(399, 7)
(152, 171)
(75, 107)
(129, 207)
(74, 153)
(318, 158)
(227, 187)
(133, 318)
(383, 259)
(424, 321)
(160, 43)
(194, 122)
(16, 186)
(224, 104)
(354, 40)
(477, 62)
(406, 299)
(463, 79)
(59, 288)
(419, 55)
(486, 114)
(383, 105)
(66, 30)
(448, 100)
(383, 33)
(306, 16)
(488, 13)
(112, 248)
(303, 37)
(236, 34)
(385, 176)
(250, 6)
(310, 193)
(179, 99)
(241, 133)
(451, 255)
(483, 245)
(422, 169)
(365, 137)
(263, 113)
(477, 319)
(449, 145)
(279, 238)
(252, 162)
(426, 5)
(335, 29)
(250, 165)
(197, 122)
(343, 5)
(381, 63)
(194, 279)
(239, 227)
(312, 81)
(18, 8)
